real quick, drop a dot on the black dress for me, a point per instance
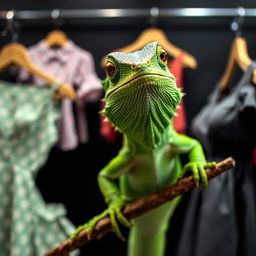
(221, 221)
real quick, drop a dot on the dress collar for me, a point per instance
(62, 54)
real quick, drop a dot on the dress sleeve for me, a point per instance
(89, 89)
(247, 98)
(247, 102)
(87, 81)
(24, 75)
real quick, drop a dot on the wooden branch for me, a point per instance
(138, 208)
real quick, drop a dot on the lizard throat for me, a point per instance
(143, 113)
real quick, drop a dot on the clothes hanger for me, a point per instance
(238, 54)
(56, 37)
(156, 34)
(15, 53)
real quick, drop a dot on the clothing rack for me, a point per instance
(153, 12)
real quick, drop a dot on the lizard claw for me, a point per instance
(114, 212)
(89, 226)
(198, 170)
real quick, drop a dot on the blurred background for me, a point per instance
(70, 177)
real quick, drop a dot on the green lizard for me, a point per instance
(141, 98)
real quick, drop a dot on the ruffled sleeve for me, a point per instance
(89, 89)
(86, 80)
(247, 103)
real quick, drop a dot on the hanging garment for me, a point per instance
(176, 68)
(28, 226)
(222, 219)
(106, 128)
(72, 65)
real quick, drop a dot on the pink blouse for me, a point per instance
(75, 66)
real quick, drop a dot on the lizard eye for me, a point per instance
(110, 69)
(163, 55)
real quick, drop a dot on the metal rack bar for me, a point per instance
(131, 13)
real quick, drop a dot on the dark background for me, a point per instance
(70, 177)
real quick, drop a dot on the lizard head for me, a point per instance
(141, 94)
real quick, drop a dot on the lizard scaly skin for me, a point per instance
(141, 99)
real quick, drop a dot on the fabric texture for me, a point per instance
(74, 66)
(28, 116)
(106, 129)
(222, 220)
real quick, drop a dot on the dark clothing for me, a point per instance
(222, 220)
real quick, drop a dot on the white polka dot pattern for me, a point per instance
(27, 131)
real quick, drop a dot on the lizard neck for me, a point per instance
(135, 148)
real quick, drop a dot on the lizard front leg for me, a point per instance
(197, 164)
(113, 197)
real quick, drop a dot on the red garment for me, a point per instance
(176, 68)
(106, 129)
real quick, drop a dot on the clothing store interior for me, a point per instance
(106, 105)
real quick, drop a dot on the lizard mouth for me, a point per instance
(138, 77)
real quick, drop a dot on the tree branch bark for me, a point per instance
(138, 208)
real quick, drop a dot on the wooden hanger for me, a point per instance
(56, 38)
(155, 34)
(15, 53)
(238, 57)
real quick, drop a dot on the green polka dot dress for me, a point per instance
(28, 129)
